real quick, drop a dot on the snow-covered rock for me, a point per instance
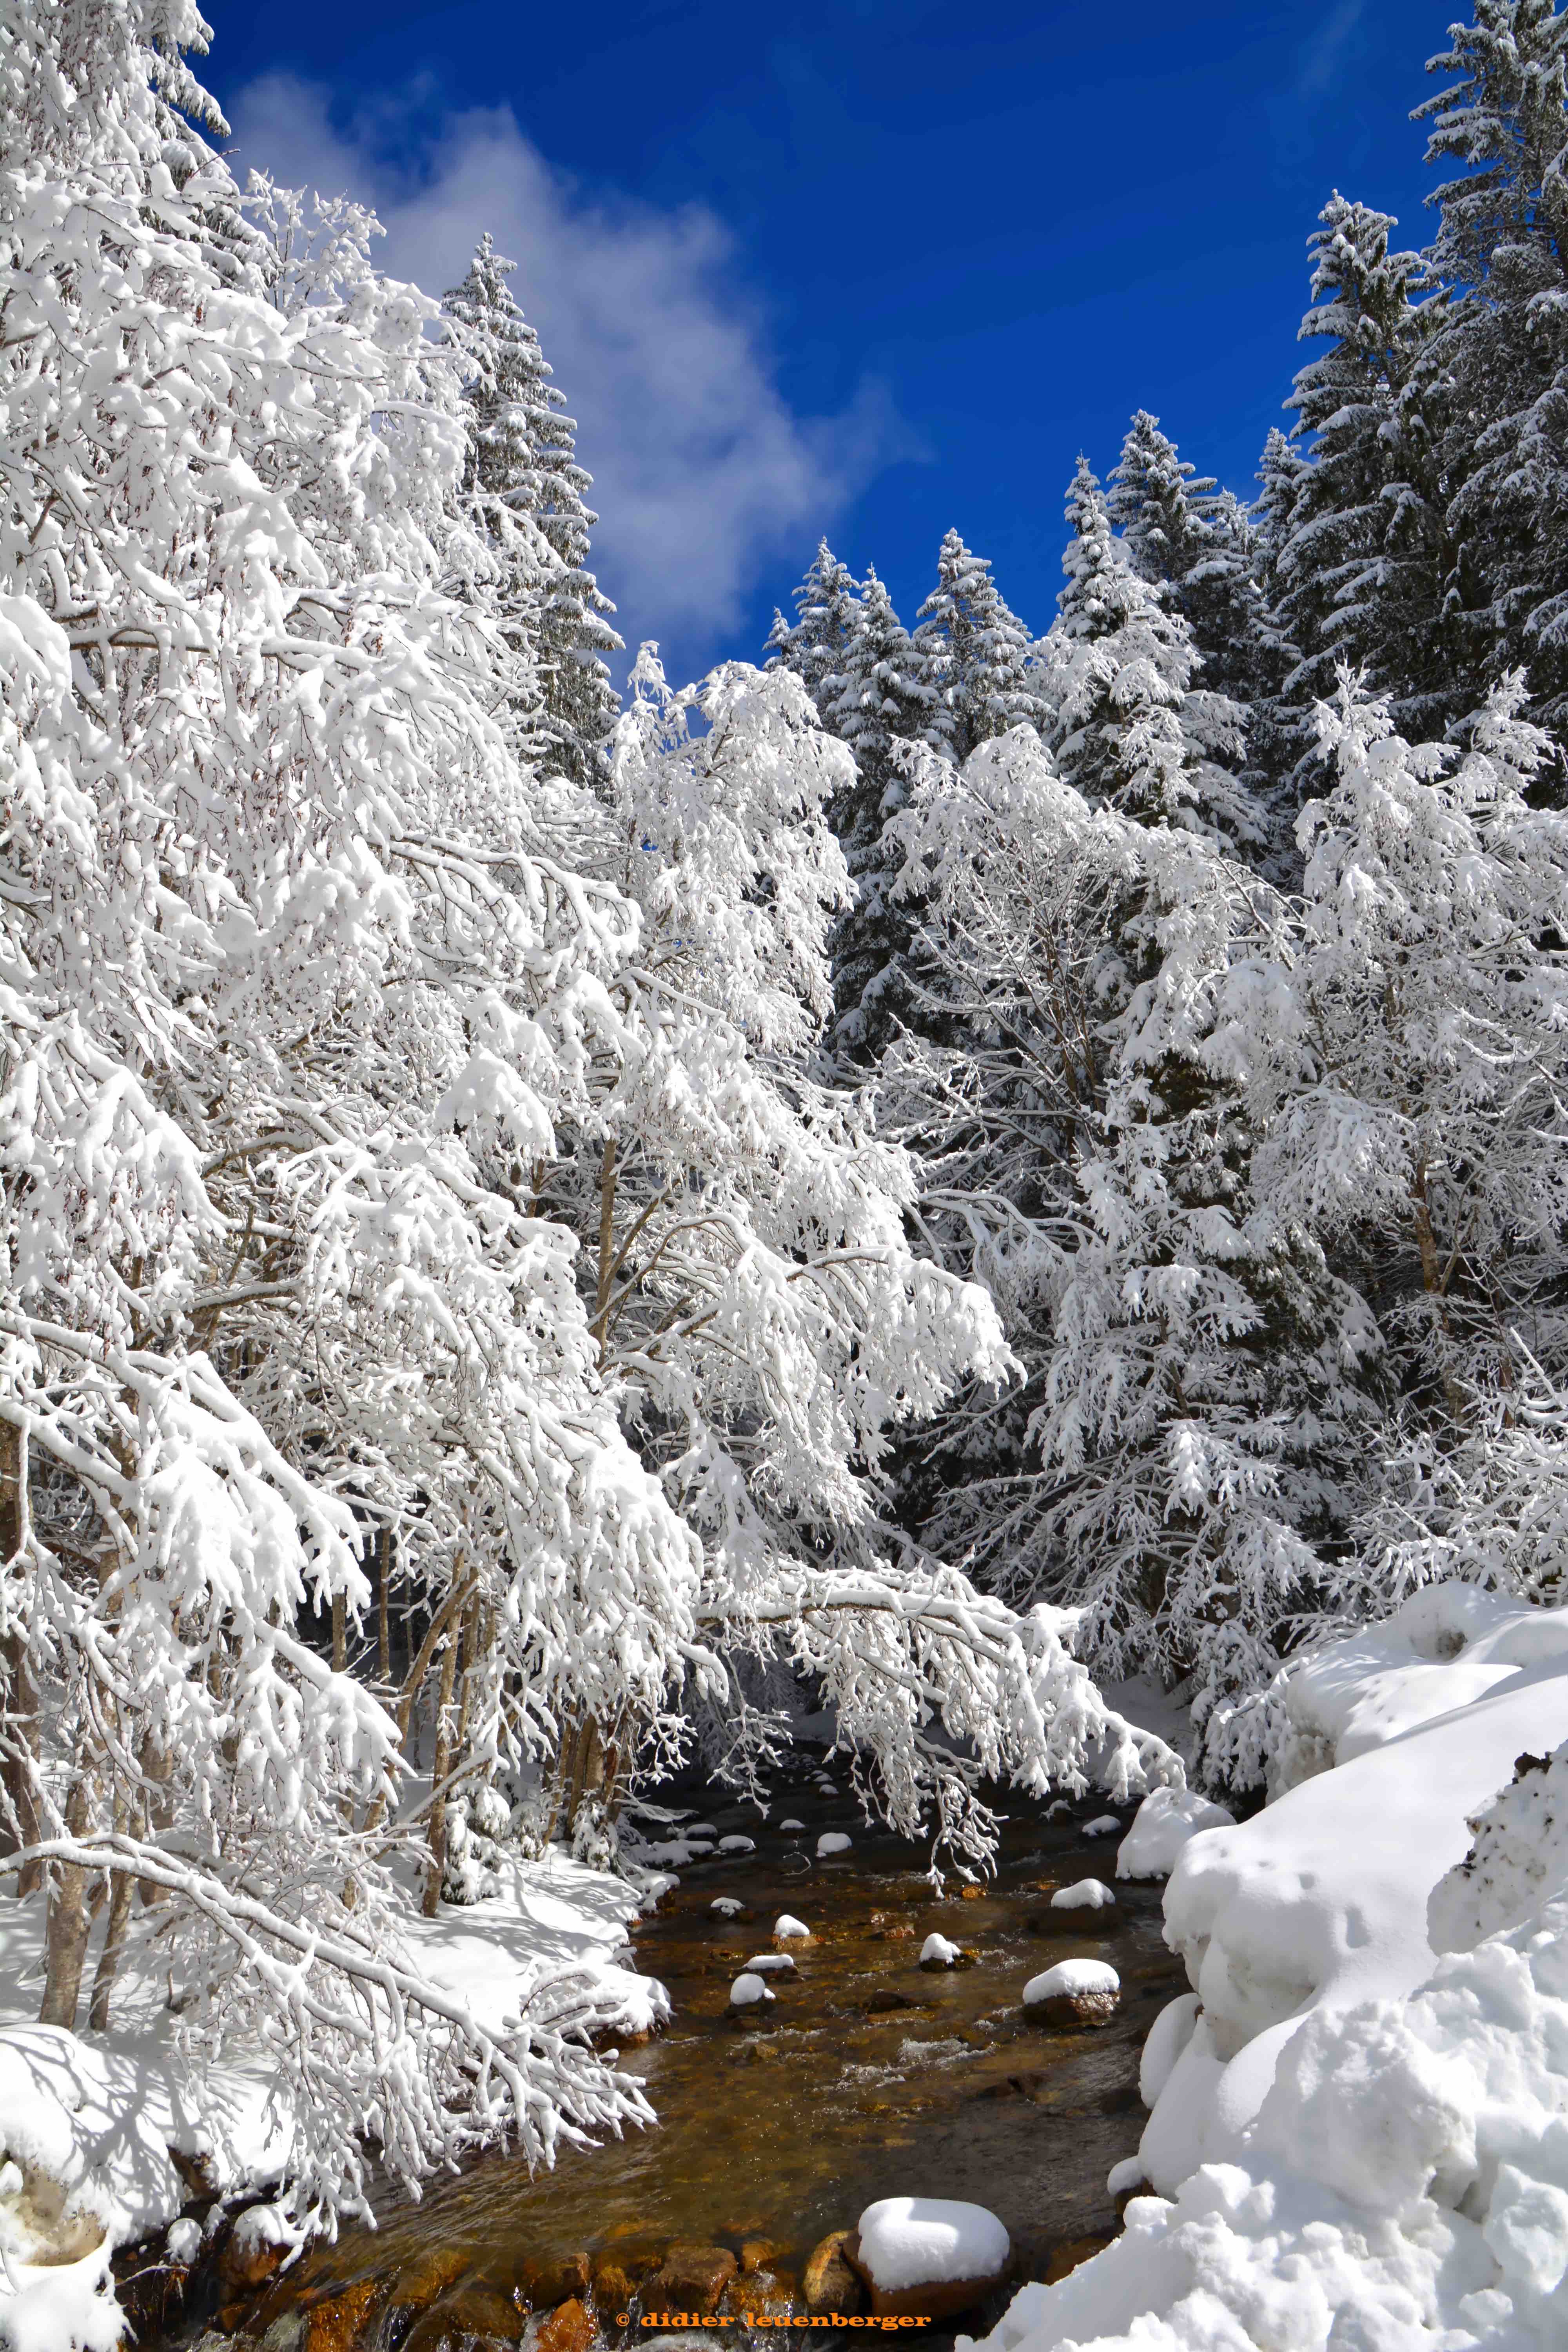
(832, 1841)
(748, 1989)
(728, 1906)
(786, 1926)
(1103, 1825)
(1074, 1992)
(914, 2241)
(936, 1952)
(771, 1963)
(791, 1825)
(1084, 1895)
(1165, 1822)
(737, 1844)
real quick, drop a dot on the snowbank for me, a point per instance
(1163, 1826)
(1361, 2142)
(923, 2241)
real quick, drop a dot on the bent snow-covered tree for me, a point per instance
(315, 1007)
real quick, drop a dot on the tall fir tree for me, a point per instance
(975, 654)
(879, 699)
(1364, 561)
(526, 489)
(1131, 730)
(827, 606)
(1185, 532)
(1500, 344)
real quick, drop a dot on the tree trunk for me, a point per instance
(121, 1886)
(69, 1921)
(382, 1614)
(443, 1765)
(20, 1826)
(340, 1633)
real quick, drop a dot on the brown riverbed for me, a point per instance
(866, 2077)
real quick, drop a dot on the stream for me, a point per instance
(866, 2077)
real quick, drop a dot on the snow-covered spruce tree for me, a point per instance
(974, 654)
(1193, 540)
(272, 909)
(1131, 730)
(1364, 564)
(1199, 1386)
(880, 698)
(827, 606)
(1500, 345)
(524, 490)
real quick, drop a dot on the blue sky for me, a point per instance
(865, 269)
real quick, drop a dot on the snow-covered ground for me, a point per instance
(1360, 2128)
(90, 2126)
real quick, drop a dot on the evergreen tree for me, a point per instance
(525, 488)
(1501, 344)
(1363, 561)
(975, 654)
(1131, 731)
(880, 698)
(1192, 537)
(828, 605)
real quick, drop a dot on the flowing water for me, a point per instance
(866, 2077)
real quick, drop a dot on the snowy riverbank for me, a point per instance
(102, 2146)
(1360, 2128)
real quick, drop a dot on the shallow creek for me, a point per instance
(866, 2077)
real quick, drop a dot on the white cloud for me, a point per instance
(1324, 59)
(702, 474)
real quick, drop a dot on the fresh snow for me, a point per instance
(1164, 1824)
(748, 1989)
(792, 1825)
(737, 1844)
(908, 2242)
(729, 1906)
(785, 1925)
(771, 1963)
(937, 1947)
(1103, 1825)
(832, 1841)
(1084, 1895)
(1362, 2140)
(1071, 1977)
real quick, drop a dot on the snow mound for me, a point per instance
(832, 1841)
(937, 1947)
(1069, 1977)
(1361, 2142)
(1086, 1894)
(924, 2240)
(771, 1963)
(727, 1906)
(784, 1927)
(737, 1844)
(1103, 1825)
(791, 1825)
(1166, 1822)
(747, 1990)
(1166, 2039)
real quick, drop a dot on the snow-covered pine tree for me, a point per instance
(880, 698)
(525, 490)
(1500, 345)
(827, 606)
(1192, 537)
(1132, 729)
(1365, 563)
(975, 654)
